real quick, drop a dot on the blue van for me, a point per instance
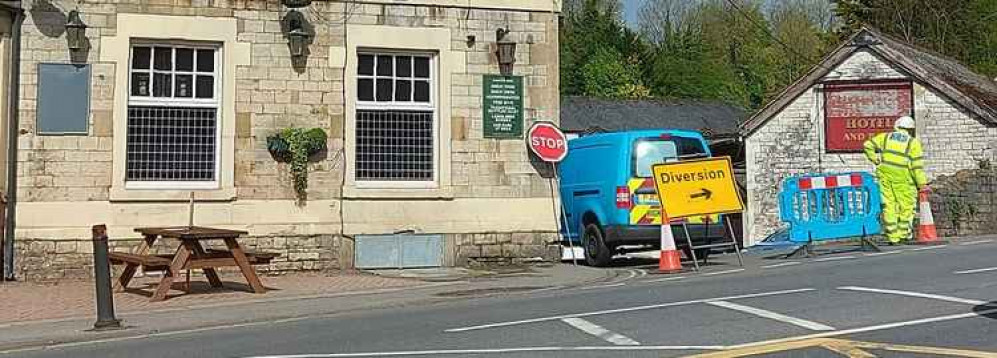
(609, 197)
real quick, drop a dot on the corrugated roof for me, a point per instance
(580, 114)
(975, 92)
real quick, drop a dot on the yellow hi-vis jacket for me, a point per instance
(897, 156)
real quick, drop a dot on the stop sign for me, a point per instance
(547, 142)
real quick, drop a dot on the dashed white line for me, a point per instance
(915, 294)
(834, 258)
(882, 253)
(936, 247)
(979, 270)
(668, 279)
(811, 325)
(598, 331)
(722, 272)
(627, 309)
(603, 286)
(977, 242)
(784, 264)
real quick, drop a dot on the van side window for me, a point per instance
(648, 152)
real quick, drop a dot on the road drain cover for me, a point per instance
(489, 291)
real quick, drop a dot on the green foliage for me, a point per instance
(296, 145)
(965, 30)
(599, 56)
(608, 75)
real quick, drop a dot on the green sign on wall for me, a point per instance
(503, 106)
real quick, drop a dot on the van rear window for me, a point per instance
(648, 152)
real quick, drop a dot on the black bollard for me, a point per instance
(102, 278)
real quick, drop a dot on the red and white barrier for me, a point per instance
(830, 182)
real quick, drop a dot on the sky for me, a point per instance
(630, 10)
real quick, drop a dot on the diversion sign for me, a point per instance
(697, 187)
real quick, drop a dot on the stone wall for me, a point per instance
(67, 183)
(792, 142)
(963, 203)
(53, 259)
(491, 247)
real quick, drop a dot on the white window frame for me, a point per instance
(193, 101)
(432, 105)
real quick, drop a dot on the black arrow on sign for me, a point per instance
(705, 193)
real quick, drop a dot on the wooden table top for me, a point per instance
(191, 232)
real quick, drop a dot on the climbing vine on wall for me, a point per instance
(295, 146)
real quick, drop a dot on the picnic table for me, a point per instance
(190, 255)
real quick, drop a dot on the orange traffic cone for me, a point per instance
(670, 261)
(926, 233)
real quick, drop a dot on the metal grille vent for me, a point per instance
(394, 145)
(171, 144)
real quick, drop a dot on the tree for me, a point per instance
(961, 29)
(592, 38)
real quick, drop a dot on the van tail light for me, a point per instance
(623, 197)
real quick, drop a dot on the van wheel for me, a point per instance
(596, 252)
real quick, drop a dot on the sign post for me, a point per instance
(694, 188)
(549, 144)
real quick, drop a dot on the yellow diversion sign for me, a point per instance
(697, 187)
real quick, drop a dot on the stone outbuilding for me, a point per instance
(119, 121)
(818, 124)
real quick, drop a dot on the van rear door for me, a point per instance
(646, 152)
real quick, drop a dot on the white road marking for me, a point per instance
(882, 253)
(834, 258)
(811, 325)
(603, 286)
(866, 329)
(598, 331)
(722, 272)
(935, 247)
(499, 351)
(988, 269)
(668, 279)
(627, 309)
(977, 242)
(916, 294)
(784, 264)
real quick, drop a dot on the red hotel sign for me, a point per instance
(857, 111)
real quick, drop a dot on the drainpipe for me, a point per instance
(13, 110)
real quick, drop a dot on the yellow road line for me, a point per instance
(848, 348)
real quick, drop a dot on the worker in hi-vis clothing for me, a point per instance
(900, 172)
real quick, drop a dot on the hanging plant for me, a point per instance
(295, 146)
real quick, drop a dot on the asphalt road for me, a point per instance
(918, 301)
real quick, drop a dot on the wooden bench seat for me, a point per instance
(148, 262)
(255, 258)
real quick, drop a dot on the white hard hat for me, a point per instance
(905, 122)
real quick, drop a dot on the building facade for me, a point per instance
(816, 125)
(179, 96)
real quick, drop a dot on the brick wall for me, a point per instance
(792, 142)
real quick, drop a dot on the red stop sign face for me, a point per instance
(547, 142)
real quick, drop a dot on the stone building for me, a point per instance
(169, 97)
(818, 124)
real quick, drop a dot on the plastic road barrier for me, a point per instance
(830, 206)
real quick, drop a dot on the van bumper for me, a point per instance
(617, 235)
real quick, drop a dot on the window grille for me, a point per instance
(395, 118)
(172, 114)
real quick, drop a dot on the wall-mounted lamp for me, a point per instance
(295, 4)
(297, 36)
(76, 31)
(506, 52)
